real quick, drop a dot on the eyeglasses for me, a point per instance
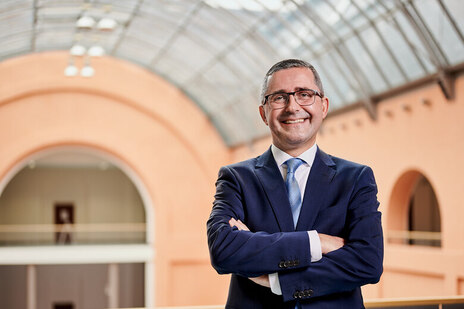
(303, 97)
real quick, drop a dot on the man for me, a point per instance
(295, 227)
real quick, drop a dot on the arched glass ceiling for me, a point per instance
(217, 51)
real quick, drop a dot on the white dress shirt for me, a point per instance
(301, 176)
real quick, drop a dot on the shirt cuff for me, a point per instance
(275, 284)
(315, 245)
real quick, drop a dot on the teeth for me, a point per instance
(294, 121)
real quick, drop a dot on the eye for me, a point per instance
(278, 97)
(306, 94)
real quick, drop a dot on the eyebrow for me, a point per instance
(296, 89)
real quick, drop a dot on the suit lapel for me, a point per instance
(320, 176)
(269, 175)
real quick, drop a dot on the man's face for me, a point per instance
(294, 127)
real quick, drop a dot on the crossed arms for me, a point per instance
(350, 259)
(328, 244)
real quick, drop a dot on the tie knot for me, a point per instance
(293, 164)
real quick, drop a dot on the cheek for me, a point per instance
(272, 117)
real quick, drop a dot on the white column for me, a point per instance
(113, 285)
(31, 287)
(149, 284)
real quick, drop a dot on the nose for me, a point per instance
(292, 104)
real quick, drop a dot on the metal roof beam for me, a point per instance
(382, 39)
(363, 44)
(452, 21)
(347, 58)
(305, 44)
(405, 38)
(435, 53)
(34, 25)
(126, 27)
(180, 29)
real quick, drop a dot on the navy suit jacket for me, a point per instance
(340, 199)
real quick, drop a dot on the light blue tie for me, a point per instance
(293, 190)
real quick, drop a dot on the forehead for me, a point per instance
(291, 79)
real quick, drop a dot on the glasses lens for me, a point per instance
(305, 97)
(278, 99)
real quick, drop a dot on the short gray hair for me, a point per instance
(287, 64)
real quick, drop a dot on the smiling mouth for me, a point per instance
(293, 121)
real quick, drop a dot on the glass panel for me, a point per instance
(219, 36)
(342, 85)
(401, 50)
(160, 30)
(136, 50)
(372, 8)
(382, 56)
(54, 40)
(414, 41)
(334, 99)
(173, 69)
(350, 16)
(18, 21)
(330, 16)
(366, 65)
(441, 29)
(456, 10)
(15, 46)
(243, 64)
(194, 60)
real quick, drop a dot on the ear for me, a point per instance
(325, 107)
(262, 112)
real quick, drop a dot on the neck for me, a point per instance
(296, 151)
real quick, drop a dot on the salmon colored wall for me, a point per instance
(149, 125)
(418, 132)
(135, 116)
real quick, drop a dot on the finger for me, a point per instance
(242, 226)
(232, 222)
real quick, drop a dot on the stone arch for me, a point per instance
(133, 117)
(414, 207)
(96, 151)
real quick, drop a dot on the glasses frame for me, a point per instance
(316, 93)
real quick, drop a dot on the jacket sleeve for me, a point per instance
(246, 253)
(358, 262)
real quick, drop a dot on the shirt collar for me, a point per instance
(281, 156)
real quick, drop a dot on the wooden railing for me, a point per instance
(414, 235)
(423, 238)
(413, 301)
(44, 234)
(79, 227)
(391, 303)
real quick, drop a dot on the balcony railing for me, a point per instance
(423, 238)
(416, 302)
(410, 303)
(79, 233)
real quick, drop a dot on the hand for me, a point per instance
(330, 243)
(262, 280)
(239, 224)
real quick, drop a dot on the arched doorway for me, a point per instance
(424, 215)
(414, 213)
(71, 215)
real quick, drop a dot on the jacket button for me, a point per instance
(296, 262)
(286, 264)
(282, 264)
(296, 294)
(301, 294)
(308, 293)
